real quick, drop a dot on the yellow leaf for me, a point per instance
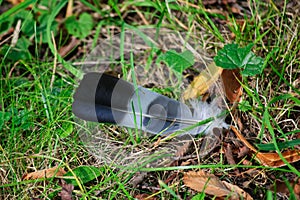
(203, 81)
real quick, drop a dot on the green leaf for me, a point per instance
(19, 52)
(245, 106)
(4, 117)
(281, 145)
(5, 25)
(233, 57)
(177, 61)
(84, 174)
(79, 28)
(42, 31)
(253, 65)
(65, 130)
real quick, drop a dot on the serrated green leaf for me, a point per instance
(79, 28)
(84, 174)
(233, 57)
(253, 65)
(177, 61)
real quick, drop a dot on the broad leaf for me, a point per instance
(233, 57)
(177, 61)
(80, 28)
(84, 174)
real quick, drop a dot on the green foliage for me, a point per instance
(84, 174)
(281, 145)
(245, 106)
(233, 57)
(177, 61)
(34, 23)
(79, 28)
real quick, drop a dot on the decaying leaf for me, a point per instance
(203, 81)
(270, 159)
(280, 186)
(238, 190)
(231, 79)
(212, 185)
(45, 173)
(210, 142)
(66, 190)
(145, 197)
(183, 150)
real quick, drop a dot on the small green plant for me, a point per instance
(79, 28)
(34, 22)
(234, 57)
(177, 61)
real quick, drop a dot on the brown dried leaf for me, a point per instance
(183, 150)
(15, 2)
(66, 192)
(238, 190)
(210, 142)
(270, 159)
(281, 187)
(46, 173)
(210, 184)
(229, 155)
(231, 79)
(144, 197)
(243, 151)
(203, 81)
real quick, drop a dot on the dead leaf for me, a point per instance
(212, 185)
(280, 186)
(270, 159)
(231, 79)
(66, 192)
(46, 173)
(211, 141)
(144, 197)
(15, 2)
(243, 151)
(202, 82)
(229, 155)
(183, 150)
(238, 190)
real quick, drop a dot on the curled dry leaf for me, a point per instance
(231, 79)
(270, 159)
(212, 185)
(45, 173)
(203, 81)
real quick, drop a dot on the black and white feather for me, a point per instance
(107, 99)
